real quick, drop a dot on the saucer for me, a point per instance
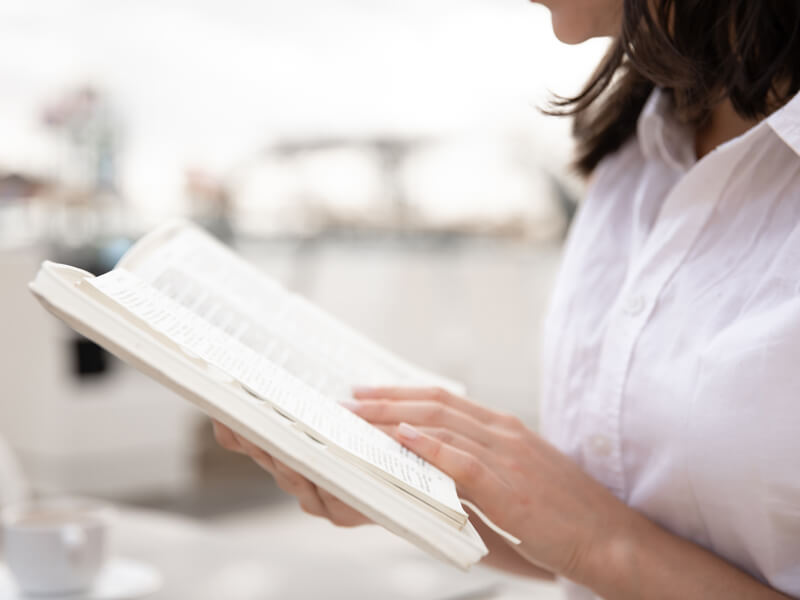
(120, 579)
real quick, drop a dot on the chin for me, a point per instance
(571, 29)
(575, 21)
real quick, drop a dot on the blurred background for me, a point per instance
(386, 159)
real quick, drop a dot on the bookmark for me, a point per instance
(501, 532)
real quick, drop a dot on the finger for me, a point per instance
(261, 458)
(291, 482)
(399, 393)
(456, 440)
(431, 393)
(390, 430)
(340, 513)
(448, 437)
(427, 414)
(312, 505)
(470, 474)
(226, 438)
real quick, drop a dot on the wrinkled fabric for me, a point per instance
(672, 345)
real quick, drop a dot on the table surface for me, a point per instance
(279, 552)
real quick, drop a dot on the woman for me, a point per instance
(671, 404)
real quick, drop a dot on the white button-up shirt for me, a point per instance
(672, 346)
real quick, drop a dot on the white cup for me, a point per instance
(55, 546)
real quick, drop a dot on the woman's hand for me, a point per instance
(313, 500)
(521, 482)
(318, 502)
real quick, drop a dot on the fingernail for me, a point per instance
(404, 430)
(350, 404)
(363, 391)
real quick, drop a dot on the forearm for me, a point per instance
(503, 557)
(644, 561)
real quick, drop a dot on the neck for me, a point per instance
(723, 125)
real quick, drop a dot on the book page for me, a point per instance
(218, 337)
(293, 333)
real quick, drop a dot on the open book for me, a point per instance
(270, 365)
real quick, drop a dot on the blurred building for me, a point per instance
(386, 159)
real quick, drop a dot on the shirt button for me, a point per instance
(634, 305)
(600, 445)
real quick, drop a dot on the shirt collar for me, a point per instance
(786, 123)
(663, 137)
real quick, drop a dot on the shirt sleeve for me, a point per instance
(744, 429)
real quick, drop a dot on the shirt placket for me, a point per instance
(685, 212)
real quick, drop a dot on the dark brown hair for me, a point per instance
(700, 51)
